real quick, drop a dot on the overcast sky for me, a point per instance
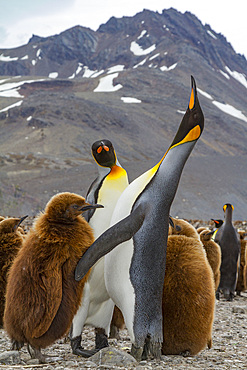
(19, 19)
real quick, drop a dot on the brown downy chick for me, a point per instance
(213, 253)
(10, 242)
(242, 270)
(42, 295)
(188, 298)
(182, 227)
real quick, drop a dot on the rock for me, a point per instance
(113, 357)
(238, 310)
(10, 357)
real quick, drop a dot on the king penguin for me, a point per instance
(96, 306)
(135, 269)
(229, 241)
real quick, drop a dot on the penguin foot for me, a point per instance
(16, 346)
(155, 350)
(185, 353)
(43, 359)
(136, 352)
(101, 340)
(78, 350)
(114, 332)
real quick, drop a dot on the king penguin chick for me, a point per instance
(182, 227)
(242, 271)
(213, 253)
(10, 242)
(229, 242)
(42, 295)
(188, 297)
(106, 190)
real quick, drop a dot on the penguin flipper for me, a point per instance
(50, 297)
(112, 237)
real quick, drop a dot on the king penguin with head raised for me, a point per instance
(135, 269)
(96, 306)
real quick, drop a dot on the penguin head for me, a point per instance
(217, 223)
(104, 153)
(192, 123)
(227, 206)
(10, 225)
(66, 207)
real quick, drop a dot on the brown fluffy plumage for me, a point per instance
(242, 271)
(213, 253)
(182, 227)
(188, 297)
(42, 294)
(10, 242)
(117, 323)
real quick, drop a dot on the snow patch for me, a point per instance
(17, 104)
(136, 49)
(29, 118)
(140, 64)
(34, 62)
(238, 76)
(25, 57)
(211, 34)
(106, 84)
(225, 75)
(142, 34)
(165, 68)
(154, 56)
(7, 58)
(53, 75)
(127, 99)
(117, 68)
(229, 109)
(205, 94)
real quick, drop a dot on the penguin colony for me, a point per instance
(47, 259)
(42, 295)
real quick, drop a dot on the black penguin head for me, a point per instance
(103, 153)
(192, 123)
(217, 223)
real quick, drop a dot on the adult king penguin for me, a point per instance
(135, 270)
(96, 306)
(229, 241)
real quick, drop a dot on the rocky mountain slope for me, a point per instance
(129, 82)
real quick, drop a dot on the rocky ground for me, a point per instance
(228, 351)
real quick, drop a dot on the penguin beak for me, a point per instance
(21, 220)
(90, 206)
(171, 222)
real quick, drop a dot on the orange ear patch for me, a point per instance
(106, 148)
(99, 150)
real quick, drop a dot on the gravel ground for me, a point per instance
(229, 349)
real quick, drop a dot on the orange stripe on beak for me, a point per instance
(192, 99)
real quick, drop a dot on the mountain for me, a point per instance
(129, 81)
